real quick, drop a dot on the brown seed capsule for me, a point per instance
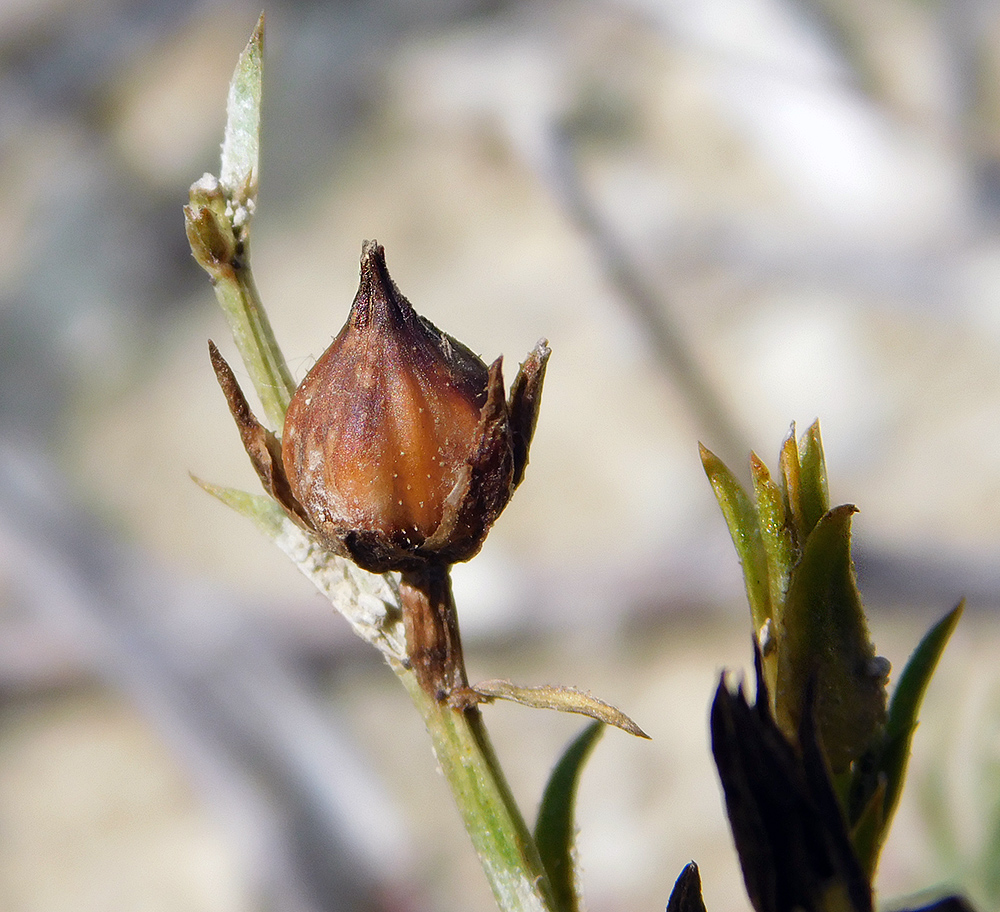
(399, 444)
(399, 451)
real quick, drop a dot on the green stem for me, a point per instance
(499, 834)
(240, 301)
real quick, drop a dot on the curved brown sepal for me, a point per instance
(484, 486)
(525, 400)
(263, 448)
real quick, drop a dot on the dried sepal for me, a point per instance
(525, 400)
(484, 483)
(261, 445)
(558, 697)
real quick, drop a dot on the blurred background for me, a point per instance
(724, 215)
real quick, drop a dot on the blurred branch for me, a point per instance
(649, 306)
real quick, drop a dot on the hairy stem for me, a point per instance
(434, 675)
(499, 834)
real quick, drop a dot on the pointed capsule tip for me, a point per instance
(373, 268)
(377, 293)
(370, 250)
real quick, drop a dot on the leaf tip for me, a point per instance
(255, 45)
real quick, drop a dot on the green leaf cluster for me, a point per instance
(810, 626)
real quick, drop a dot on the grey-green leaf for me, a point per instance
(369, 602)
(261, 509)
(241, 146)
(555, 825)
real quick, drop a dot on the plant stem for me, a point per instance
(434, 675)
(217, 223)
(240, 301)
(499, 834)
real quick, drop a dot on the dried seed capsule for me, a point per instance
(399, 444)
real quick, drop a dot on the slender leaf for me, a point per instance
(777, 541)
(265, 512)
(369, 602)
(555, 826)
(744, 527)
(241, 146)
(904, 707)
(814, 497)
(912, 686)
(877, 778)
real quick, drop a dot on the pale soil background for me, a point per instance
(814, 190)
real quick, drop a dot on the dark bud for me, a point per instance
(686, 894)
(400, 445)
(789, 831)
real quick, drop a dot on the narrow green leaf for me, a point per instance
(904, 707)
(912, 686)
(878, 776)
(241, 146)
(744, 527)
(555, 826)
(265, 512)
(814, 497)
(826, 637)
(777, 540)
(791, 483)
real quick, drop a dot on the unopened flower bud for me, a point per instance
(209, 227)
(399, 444)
